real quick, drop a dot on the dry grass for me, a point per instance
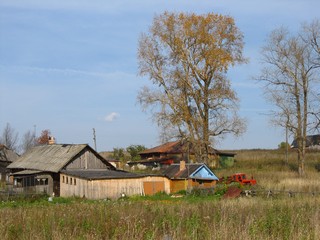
(278, 217)
(273, 172)
(243, 218)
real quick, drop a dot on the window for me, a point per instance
(62, 179)
(67, 180)
(74, 181)
(41, 181)
(71, 181)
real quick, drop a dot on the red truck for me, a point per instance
(240, 178)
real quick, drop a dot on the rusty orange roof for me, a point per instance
(169, 147)
(179, 147)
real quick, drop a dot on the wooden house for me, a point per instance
(7, 156)
(312, 142)
(174, 152)
(190, 176)
(38, 170)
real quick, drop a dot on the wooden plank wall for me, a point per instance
(86, 161)
(106, 188)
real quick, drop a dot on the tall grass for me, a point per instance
(243, 218)
(272, 171)
(189, 217)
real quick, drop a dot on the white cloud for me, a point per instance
(111, 117)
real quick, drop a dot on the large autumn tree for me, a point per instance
(291, 82)
(187, 57)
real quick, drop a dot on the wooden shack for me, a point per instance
(109, 184)
(190, 176)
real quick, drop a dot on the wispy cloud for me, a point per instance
(66, 71)
(111, 117)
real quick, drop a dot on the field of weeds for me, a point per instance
(187, 217)
(272, 171)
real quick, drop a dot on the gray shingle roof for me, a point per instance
(100, 174)
(50, 158)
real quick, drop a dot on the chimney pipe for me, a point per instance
(182, 165)
(51, 140)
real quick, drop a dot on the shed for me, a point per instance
(101, 184)
(226, 159)
(189, 176)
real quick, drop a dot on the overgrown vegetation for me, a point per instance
(196, 215)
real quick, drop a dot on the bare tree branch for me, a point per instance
(291, 78)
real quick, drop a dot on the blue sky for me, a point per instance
(71, 66)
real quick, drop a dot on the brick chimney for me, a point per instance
(182, 165)
(51, 140)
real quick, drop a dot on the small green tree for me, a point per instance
(283, 146)
(134, 150)
(118, 154)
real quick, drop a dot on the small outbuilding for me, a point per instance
(190, 176)
(112, 184)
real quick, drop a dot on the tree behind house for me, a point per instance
(134, 151)
(10, 138)
(28, 141)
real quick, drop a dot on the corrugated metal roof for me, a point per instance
(50, 158)
(100, 174)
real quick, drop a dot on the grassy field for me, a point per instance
(189, 217)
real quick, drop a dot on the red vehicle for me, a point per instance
(240, 178)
